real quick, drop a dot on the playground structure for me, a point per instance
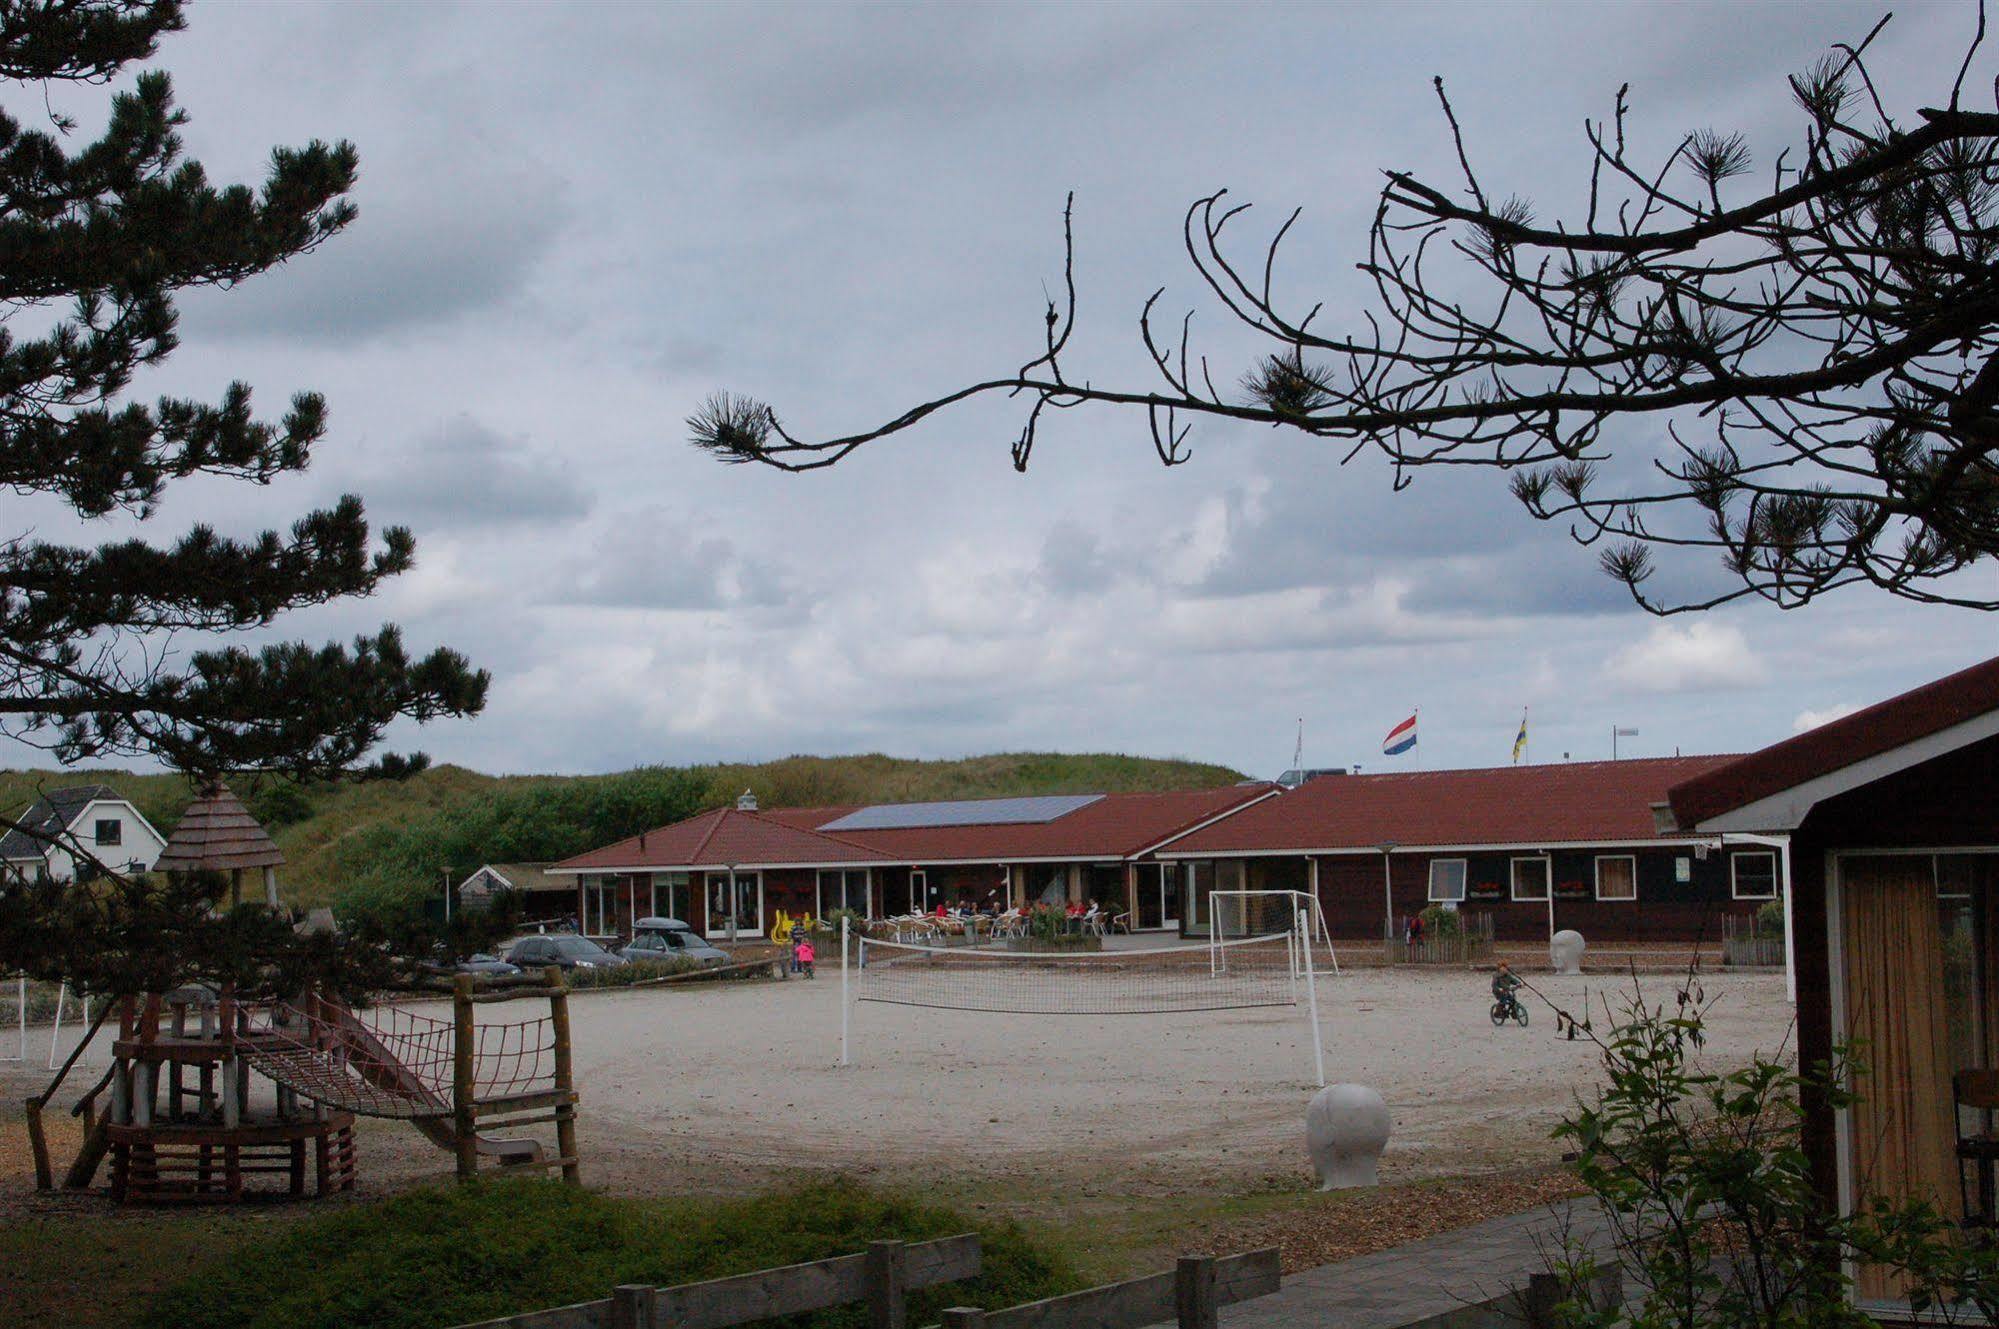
(182, 1123)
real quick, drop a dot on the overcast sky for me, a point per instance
(577, 221)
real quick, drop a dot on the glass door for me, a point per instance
(730, 919)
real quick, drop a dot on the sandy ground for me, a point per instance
(747, 1076)
(712, 1087)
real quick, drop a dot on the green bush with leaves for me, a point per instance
(1714, 1211)
(1770, 919)
(439, 1257)
(1441, 922)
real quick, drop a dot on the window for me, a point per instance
(1447, 880)
(110, 830)
(843, 889)
(1754, 876)
(1617, 877)
(1530, 878)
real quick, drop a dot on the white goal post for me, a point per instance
(1236, 914)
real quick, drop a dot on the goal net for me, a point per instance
(1237, 914)
(1259, 971)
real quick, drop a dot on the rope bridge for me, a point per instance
(394, 1063)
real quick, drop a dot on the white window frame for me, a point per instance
(1632, 859)
(1735, 880)
(1547, 863)
(1464, 880)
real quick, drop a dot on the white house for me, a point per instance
(84, 822)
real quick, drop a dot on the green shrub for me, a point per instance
(443, 1257)
(1770, 919)
(1441, 922)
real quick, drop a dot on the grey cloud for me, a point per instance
(464, 475)
(436, 242)
(654, 561)
(837, 64)
(1073, 561)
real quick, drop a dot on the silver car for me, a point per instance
(669, 938)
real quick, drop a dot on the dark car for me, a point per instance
(669, 938)
(485, 966)
(563, 952)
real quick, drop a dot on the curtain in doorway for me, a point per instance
(1903, 1129)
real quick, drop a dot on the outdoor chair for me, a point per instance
(1978, 1091)
(1121, 923)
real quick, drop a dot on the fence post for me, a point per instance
(464, 1122)
(1194, 1292)
(565, 1077)
(884, 1276)
(1544, 1293)
(964, 1317)
(631, 1306)
(45, 1179)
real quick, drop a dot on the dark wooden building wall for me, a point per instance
(1951, 802)
(1666, 910)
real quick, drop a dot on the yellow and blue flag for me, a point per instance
(1520, 740)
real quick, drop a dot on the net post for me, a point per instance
(463, 1118)
(565, 1074)
(1312, 1001)
(846, 922)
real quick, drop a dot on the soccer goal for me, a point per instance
(14, 993)
(1233, 915)
(1236, 974)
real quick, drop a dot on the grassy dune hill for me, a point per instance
(360, 844)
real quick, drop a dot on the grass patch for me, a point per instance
(443, 1257)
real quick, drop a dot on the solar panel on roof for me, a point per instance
(962, 812)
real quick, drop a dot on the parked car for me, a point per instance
(563, 952)
(669, 938)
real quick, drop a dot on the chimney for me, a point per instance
(642, 842)
(746, 803)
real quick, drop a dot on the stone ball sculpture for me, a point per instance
(1346, 1128)
(1565, 951)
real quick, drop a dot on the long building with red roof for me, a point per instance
(1575, 845)
(731, 870)
(1535, 847)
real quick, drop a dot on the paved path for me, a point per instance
(1423, 1278)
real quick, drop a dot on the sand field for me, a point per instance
(747, 1075)
(698, 1087)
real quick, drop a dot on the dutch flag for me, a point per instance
(1401, 738)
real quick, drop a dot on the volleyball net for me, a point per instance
(1253, 971)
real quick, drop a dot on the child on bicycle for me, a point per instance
(802, 956)
(1504, 984)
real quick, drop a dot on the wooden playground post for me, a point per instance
(465, 1124)
(565, 1080)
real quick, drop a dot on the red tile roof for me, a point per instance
(1880, 728)
(1603, 802)
(722, 837)
(1115, 826)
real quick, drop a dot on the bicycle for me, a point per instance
(1508, 1007)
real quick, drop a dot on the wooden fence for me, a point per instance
(1472, 943)
(1745, 942)
(888, 1271)
(1190, 1295)
(882, 1277)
